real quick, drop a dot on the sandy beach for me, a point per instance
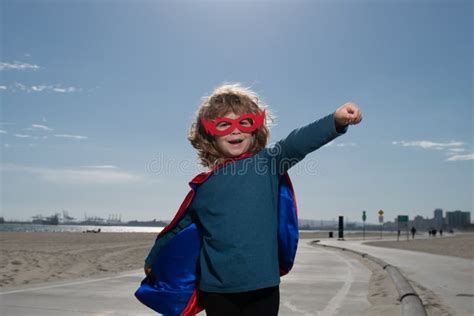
(29, 258)
(461, 245)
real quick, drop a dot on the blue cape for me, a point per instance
(172, 289)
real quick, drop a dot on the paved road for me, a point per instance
(323, 282)
(100, 296)
(450, 278)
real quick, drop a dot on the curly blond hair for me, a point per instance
(224, 99)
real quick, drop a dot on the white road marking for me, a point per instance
(295, 309)
(335, 303)
(68, 284)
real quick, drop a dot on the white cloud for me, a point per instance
(78, 175)
(30, 136)
(21, 86)
(452, 148)
(428, 144)
(71, 136)
(40, 127)
(65, 90)
(38, 88)
(16, 65)
(57, 88)
(461, 157)
(3, 88)
(2, 131)
(100, 167)
(333, 144)
(456, 150)
(346, 145)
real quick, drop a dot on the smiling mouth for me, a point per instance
(236, 141)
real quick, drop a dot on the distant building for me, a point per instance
(458, 219)
(420, 223)
(438, 218)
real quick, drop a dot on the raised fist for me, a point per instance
(348, 113)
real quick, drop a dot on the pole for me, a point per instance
(381, 227)
(341, 228)
(398, 231)
(364, 230)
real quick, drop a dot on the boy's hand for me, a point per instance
(348, 113)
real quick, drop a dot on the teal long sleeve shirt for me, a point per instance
(235, 211)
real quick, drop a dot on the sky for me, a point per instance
(97, 98)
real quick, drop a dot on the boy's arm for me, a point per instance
(309, 138)
(163, 240)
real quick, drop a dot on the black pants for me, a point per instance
(263, 302)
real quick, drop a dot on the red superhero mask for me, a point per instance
(246, 123)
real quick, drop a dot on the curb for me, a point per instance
(409, 299)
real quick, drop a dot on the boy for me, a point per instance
(236, 208)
